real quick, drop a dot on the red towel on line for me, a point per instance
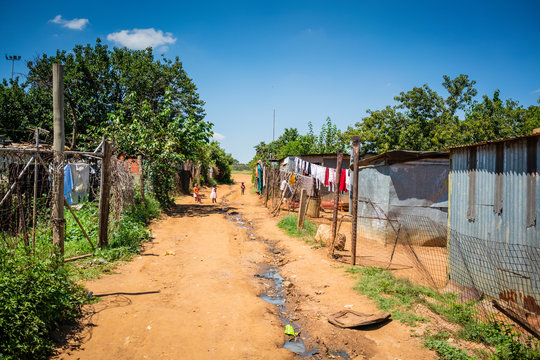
(343, 180)
(326, 178)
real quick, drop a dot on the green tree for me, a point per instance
(165, 137)
(97, 81)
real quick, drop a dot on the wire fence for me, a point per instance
(27, 194)
(502, 279)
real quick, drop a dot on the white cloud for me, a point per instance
(218, 136)
(74, 24)
(139, 39)
(536, 91)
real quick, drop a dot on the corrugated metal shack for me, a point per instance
(494, 237)
(405, 191)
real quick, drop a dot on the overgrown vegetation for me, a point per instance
(147, 104)
(36, 297)
(288, 224)
(399, 297)
(38, 291)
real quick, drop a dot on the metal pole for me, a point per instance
(58, 220)
(354, 209)
(274, 126)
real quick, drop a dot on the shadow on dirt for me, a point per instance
(195, 210)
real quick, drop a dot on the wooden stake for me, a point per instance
(354, 208)
(266, 189)
(78, 223)
(57, 217)
(141, 178)
(302, 209)
(34, 209)
(336, 202)
(104, 195)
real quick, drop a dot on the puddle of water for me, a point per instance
(297, 347)
(274, 295)
(340, 354)
(278, 301)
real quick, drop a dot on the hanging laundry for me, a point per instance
(327, 177)
(343, 180)
(80, 173)
(68, 183)
(292, 180)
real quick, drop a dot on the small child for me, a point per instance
(196, 194)
(242, 187)
(213, 194)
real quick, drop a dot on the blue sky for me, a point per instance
(305, 59)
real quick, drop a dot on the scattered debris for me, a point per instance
(287, 284)
(353, 319)
(289, 330)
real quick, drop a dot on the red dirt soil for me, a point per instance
(203, 302)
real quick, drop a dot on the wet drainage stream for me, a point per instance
(275, 291)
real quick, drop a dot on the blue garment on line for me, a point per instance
(68, 183)
(260, 184)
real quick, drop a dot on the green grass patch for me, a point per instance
(399, 296)
(242, 172)
(288, 224)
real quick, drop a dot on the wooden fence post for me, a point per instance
(266, 188)
(354, 208)
(141, 178)
(34, 207)
(302, 209)
(104, 195)
(336, 202)
(57, 217)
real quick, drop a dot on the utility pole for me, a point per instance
(12, 58)
(274, 126)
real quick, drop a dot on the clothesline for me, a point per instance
(324, 176)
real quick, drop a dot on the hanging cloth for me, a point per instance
(327, 177)
(260, 183)
(68, 183)
(343, 180)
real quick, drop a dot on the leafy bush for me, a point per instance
(36, 297)
(144, 212)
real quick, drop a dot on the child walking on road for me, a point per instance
(213, 195)
(242, 187)
(196, 194)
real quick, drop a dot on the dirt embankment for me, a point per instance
(203, 301)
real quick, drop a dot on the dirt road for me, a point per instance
(196, 292)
